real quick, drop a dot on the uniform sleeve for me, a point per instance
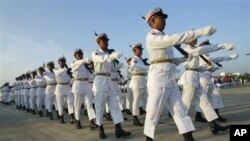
(204, 50)
(164, 41)
(101, 58)
(219, 59)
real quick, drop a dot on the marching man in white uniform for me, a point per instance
(50, 99)
(207, 83)
(103, 88)
(191, 84)
(138, 70)
(26, 91)
(162, 87)
(41, 83)
(33, 91)
(63, 78)
(81, 89)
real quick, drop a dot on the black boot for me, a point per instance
(93, 105)
(92, 124)
(102, 134)
(57, 115)
(108, 117)
(16, 106)
(148, 138)
(128, 112)
(142, 111)
(199, 118)
(85, 112)
(72, 121)
(53, 107)
(34, 112)
(188, 136)
(136, 121)
(50, 116)
(62, 119)
(220, 117)
(78, 124)
(169, 115)
(24, 108)
(40, 113)
(47, 113)
(215, 127)
(20, 107)
(119, 132)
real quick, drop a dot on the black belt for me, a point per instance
(103, 74)
(192, 69)
(81, 79)
(163, 61)
(52, 84)
(63, 83)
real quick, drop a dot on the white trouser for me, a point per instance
(40, 101)
(49, 101)
(129, 98)
(19, 98)
(138, 93)
(86, 98)
(60, 103)
(26, 100)
(8, 97)
(213, 95)
(101, 97)
(200, 97)
(32, 101)
(158, 98)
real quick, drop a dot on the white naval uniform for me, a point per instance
(63, 91)
(33, 91)
(162, 87)
(129, 96)
(103, 88)
(21, 96)
(26, 93)
(190, 80)
(15, 92)
(50, 99)
(20, 93)
(81, 89)
(6, 93)
(138, 82)
(41, 83)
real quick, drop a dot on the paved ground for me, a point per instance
(17, 125)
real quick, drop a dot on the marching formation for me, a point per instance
(94, 84)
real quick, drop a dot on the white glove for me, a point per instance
(233, 56)
(206, 31)
(227, 46)
(115, 55)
